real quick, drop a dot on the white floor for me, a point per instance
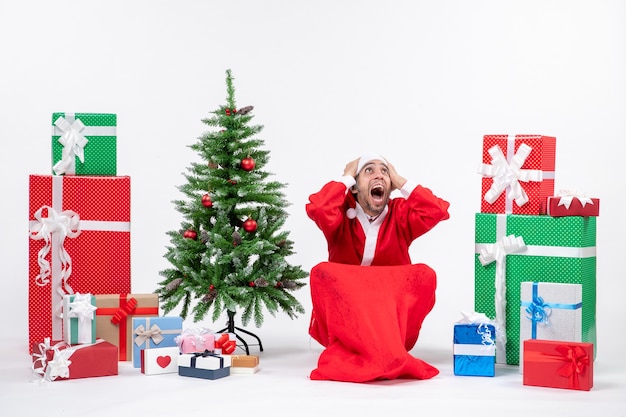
(282, 388)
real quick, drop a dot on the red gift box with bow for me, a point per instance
(79, 242)
(558, 364)
(57, 360)
(518, 173)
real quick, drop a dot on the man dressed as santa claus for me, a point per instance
(365, 227)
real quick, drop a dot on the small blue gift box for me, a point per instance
(152, 332)
(205, 365)
(474, 349)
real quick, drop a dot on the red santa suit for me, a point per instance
(369, 318)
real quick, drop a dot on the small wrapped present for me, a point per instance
(226, 343)
(158, 361)
(84, 144)
(573, 203)
(56, 360)
(558, 364)
(474, 346)
(79, 319)
(151, 332)
(115, 314)
(550, 311)
(79, 242)
(196, 340)
(203, 365)
(244, 364)
(518, 173)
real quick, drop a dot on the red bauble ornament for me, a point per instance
(206, 201)
(211, 286)
(249, 225)
(251, 284)
(247, 164)
(190, 234)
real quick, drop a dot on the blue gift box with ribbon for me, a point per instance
(206, 365)
(550, 311)
(474, 349)
(151, 332)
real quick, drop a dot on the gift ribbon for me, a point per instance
(497, 253)
(574, 358)
(507, 174)
(81, 309)
(205, 354)
(566, 197)
(538, 311)
(500, 278)
(73, 143)
(53, 230)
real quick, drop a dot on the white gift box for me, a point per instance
(550, 311)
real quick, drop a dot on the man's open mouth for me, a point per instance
(377, 192)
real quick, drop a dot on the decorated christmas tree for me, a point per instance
(230, 254)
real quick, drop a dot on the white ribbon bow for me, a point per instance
(73, 143)
(508, 175)
(568, 195)
(59, 366)
(55, 226)
(81, 308)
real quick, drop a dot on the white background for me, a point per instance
(418, 81)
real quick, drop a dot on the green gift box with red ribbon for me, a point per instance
(114, 316)
(511, 249)
(84, 144)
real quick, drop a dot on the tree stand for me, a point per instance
(230, 328)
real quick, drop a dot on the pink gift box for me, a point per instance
(189, 343)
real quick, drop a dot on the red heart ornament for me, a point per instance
(163, 361)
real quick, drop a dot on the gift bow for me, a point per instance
(498, 251)
(73, 143)
(143, 334)
(568, 195)
(59, 366)
(576, 361)
(538, 310)
(81, 307)
(226, 343)
(123, 312)
(55, 226)
(508, 175)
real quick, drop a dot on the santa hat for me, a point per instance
(366, 158)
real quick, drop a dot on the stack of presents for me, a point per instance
(83, 318)
(535, 271)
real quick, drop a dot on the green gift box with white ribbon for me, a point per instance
(511, 249)
(84, 144)
(79, 318)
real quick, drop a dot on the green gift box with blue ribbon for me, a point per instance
(84, 144)
(511, 249)
(550, 311)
